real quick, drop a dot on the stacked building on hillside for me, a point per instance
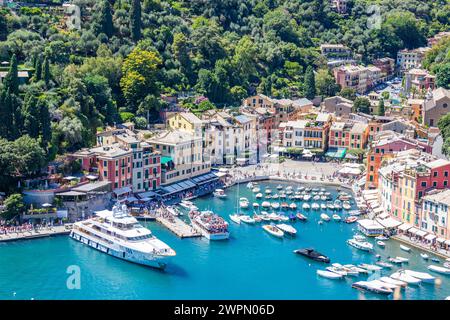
(357, 77)
(410, 59)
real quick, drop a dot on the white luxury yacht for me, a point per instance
(120, 235)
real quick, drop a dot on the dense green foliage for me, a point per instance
(444, 126)
(128, 52)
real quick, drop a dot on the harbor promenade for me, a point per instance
(422, 246)
(33, 234)
(176, 225)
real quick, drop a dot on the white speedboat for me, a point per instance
(279, 187)
(274, 231)
(120, 235)
(257, 217)
(256, 190)
(286, 228)
(316, 198)
(393, 281)
(265, 204)
(381, 238)
(336, 217)
(323, 206)
(329, 274)
(361, 245)
(243, 203)
(439, 269)
(219, 193)
(306, 197)
(346, 205)
(275, 196)
(370, 267)
(255, 205)
(306, 206)
(398, 260)
(275, 205)
(337, 270)
(359, 237)
(424, 256)
(259, 196)
(268, 191)
(315, 206)
(385, 265)
(236, 218)
(283, 217)
(402, 276)
(293, 206)
(188, 205)
(246, 219)
(324, 217)
(425, 277)
(405, 248)
(381, 243)
(378, 282)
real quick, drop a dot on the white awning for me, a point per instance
(389, 222)
(430, 237)
(421, 233)
(413, 230)
(440, 240)
(447, 242)
(405, 227)
(383, 215)
(378, 210)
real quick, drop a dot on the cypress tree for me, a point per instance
(30, 116)
(135, 20)
(310, 83)
(44, 122)
(11, 81)
(106, 21)
(38, 70)
(45, 74)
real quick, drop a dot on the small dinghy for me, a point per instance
(315, 206)
(272, 230)
(255, 205)
(405, 248)
(329, 274)
(219, 193)
(256, 190)
(381, 238)
(434, 259)
(286, 228)
(265, 204)
(323, 206)
(235, 218)
(293, 206)
(439, 269)
(305, 206)
(425, 277)
(284, 205)
(259, 196)
(275, 196)
(402, 276)
(301, 217)
(279, 187)
(246, 219)
(336, 217)
(324, 217)
(275, 205)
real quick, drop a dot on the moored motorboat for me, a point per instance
(336, 217)
(235, 218)
(369, 267)
(337, 270)
(438, 269)
(219, 193)
(381, 238)
(265, 204)
(350, 219)
(384, 284)
(324, 217)
(268, 191)
(293, 206)
(405, 248)
(284, 205)
(372, 287)
(323, 206)
(425, 277)
(301, 217)
(306, 206)
(279, 187)
(424, 256)
(313, 254)
(361, 245)
(393, 281)
(246, 219)
(306, 197)
(257, 217)
(256, 190)
(275, 196)
(315, 206)
(259, 196)
(287, 229)
(385, 265)
(402, 276)
(381, 243)
(346, 205)
(275, 205)
(329, 274)
(255, 205)
(273, 230)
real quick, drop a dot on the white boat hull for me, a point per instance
(149, 260)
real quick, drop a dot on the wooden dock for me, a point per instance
(58, 230)
(178, 226)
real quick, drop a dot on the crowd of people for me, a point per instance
(25, 227)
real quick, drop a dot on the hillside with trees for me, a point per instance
(130, 52)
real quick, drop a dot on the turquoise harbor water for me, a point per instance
(250, 265)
